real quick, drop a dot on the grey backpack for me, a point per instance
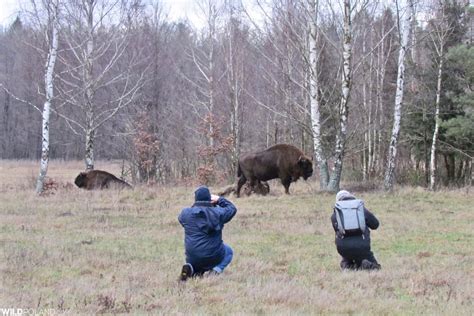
(350, 217)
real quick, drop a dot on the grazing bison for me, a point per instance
(280, 161)
(98, 179)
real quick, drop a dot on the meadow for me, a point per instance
(80, 252)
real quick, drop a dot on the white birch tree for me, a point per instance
(439, 36)
(314, 95)
(235, 79)
(440, 52)
(52, 34)
(97, 64)
(404, 20)
(45, 16)
(341, 135)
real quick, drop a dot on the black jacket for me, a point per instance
(360, 241)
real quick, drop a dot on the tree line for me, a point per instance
(374, 91)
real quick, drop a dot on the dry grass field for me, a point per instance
(114, 252)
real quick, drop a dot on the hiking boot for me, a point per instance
(347, 265)
(186, 272)
(368, 265)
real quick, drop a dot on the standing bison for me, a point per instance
(98, 179)
(280, 161)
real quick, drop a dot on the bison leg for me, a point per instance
(286, 183)
(105, 184)
(253, 183)
(241, 182)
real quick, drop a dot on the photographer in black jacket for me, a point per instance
(355, 250)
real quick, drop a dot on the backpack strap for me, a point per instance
(340, 226)
(361, 217)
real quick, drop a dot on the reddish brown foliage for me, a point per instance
(147, 148)
(211, 128)
(50, 186)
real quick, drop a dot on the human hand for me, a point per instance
(214, 198)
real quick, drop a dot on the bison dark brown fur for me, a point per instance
(280, 161)
(98, 179)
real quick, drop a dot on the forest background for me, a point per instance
(119, 80)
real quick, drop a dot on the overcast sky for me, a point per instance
(177, 9)
(8, 11)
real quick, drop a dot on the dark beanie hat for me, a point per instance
(202, 194)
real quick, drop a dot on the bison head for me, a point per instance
(306, 166)
(80, 180)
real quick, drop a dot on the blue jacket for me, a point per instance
(203, 224)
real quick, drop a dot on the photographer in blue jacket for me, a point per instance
(203, 224)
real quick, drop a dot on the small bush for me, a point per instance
(411, 177)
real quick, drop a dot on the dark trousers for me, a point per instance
(352, 256)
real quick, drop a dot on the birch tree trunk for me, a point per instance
(211, 96)
(235, 122)
(49, 93)
(90, 133)
(404, 31)
(382, 61)
(442, 29)
(366, 142)
(89, 89)
(370, 140)
(267, 131)
(436, 129)
(370, 127)
(335, 179)
(314, 99)
(211, 86)
(234, 67)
